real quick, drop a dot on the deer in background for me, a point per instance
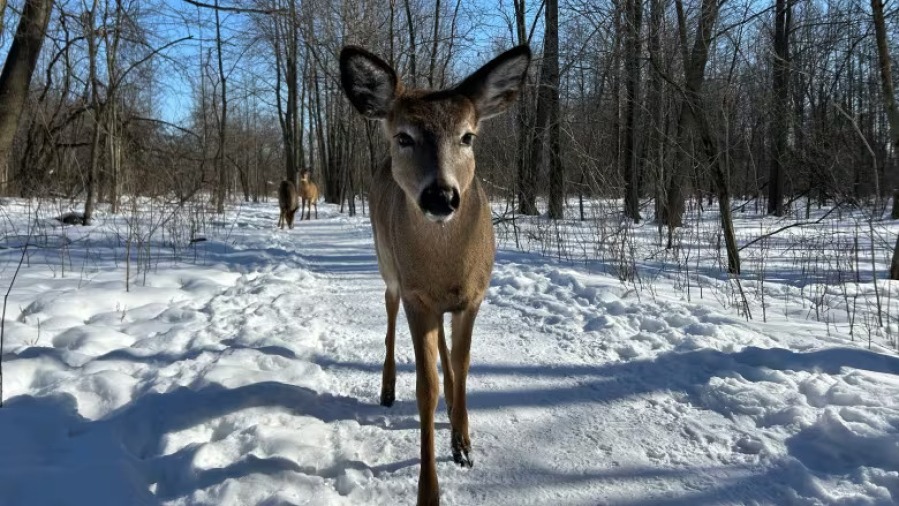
(287, 203)
(309, 196)
(432, 226)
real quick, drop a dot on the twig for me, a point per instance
(785, 227)
(228, 8)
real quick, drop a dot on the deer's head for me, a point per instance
(431, 132)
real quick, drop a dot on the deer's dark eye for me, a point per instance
(404, 140)
(467, 139)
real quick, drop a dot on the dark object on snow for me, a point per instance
(198, 239)
(71, 218)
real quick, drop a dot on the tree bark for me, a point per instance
(97, 112)
(886, 77)
(654, 139)
(413, 71)
(693, 118)
(546, 117)
(889, 99)
(551, 68)
(113, 121)
(632, 64)
(526, 171)
(780, 88)
(16, 76)
(694, 79)
(221, 167)
(677, 177)
(433, 66)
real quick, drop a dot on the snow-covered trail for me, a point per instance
(255, 381)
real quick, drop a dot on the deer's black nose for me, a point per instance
(439, 200)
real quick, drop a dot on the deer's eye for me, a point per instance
(404, 140)
(467, 139)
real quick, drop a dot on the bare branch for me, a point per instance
(228, 8)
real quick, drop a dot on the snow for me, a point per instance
(245, 370)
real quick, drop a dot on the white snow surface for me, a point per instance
(252, 378)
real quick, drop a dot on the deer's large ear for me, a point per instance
(495, 86)
(368, 81)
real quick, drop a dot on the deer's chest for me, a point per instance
(446, 267)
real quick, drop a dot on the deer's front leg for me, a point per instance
(447, 369)
(463, 324)
(388, 374)
(423, 325)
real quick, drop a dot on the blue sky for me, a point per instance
(174, 19)
(177, 99)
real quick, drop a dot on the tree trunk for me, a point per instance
(433, 66)
(886, 77)
(551, 67)
(654, 139)
(548, 90)
(410, 25)
(286, 76)
(113, 121)
(710, 146)
(695, 62)
(114, 140)
(16, 76)
(889, 98)
(632, 63)
(527, 176)
(677, 177)
(694, 79)
(96, 106)
(780, 88)
(220, 165)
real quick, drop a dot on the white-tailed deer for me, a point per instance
(287, 203)
(308, 196)
(432, 226)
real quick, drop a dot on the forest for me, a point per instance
(645, 110)
(684, 270)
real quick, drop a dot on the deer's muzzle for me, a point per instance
(439, 201)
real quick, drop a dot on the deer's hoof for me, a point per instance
(387, 398)
(461, 450)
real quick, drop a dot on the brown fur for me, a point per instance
(309, 196)
(433, 267)
(287, 203)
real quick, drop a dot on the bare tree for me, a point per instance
(654, 140)
(889, 99)
(434, 45)
(551, 90)
(694, 120)
(17, 71)
(546, 125)
(780, 88)
(633, 50)
(526, 173)
(221, 168)
(91, 33)
(413, 49)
